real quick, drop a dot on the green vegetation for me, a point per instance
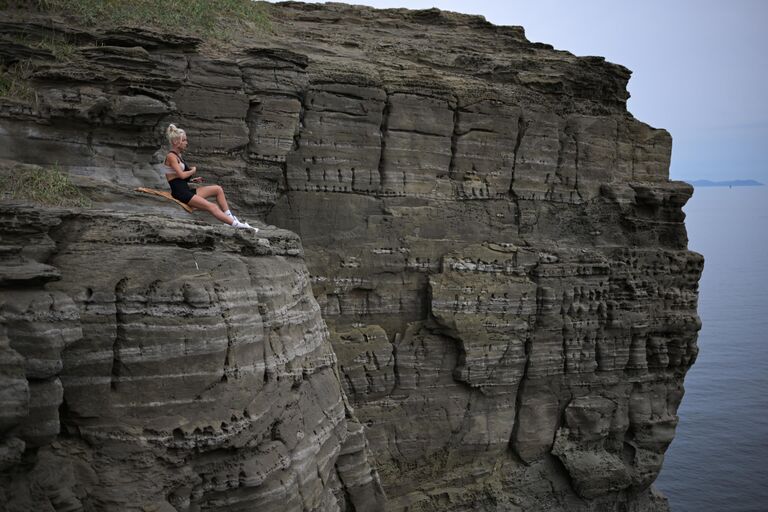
(208, 19)
(14, 82)
(60, 46)
(46, 186)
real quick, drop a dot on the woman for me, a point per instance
(179, 174)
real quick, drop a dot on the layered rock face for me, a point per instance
(490, 237)
(168, 366)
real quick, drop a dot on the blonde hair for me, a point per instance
(173, 133)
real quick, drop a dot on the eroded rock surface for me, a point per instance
(499, 258)
(191, 367)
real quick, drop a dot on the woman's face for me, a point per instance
(181, 143)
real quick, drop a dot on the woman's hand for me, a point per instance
(199, 179)
(193, 169)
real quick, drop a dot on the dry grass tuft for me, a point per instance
(45, 186)
(14, 82)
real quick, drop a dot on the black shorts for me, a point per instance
(180, 190)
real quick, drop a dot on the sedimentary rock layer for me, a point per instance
(499, 258)
(170, 365)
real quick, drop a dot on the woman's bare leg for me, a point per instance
(214, 190)
(213, 209)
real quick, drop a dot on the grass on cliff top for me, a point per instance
(46, 186)
(207, 19)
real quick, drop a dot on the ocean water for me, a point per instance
(719, 459)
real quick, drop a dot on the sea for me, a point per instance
(718, 460)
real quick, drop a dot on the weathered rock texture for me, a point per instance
(491, 238)
(194, 365)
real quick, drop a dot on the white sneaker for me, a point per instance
(244, 225)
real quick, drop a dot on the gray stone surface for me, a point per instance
(176, 364)
(488, 302)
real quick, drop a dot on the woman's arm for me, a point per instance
(173, 162)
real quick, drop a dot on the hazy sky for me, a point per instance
(700, 67)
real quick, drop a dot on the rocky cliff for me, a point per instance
(472, 290)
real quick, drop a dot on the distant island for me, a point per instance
(729, 183)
